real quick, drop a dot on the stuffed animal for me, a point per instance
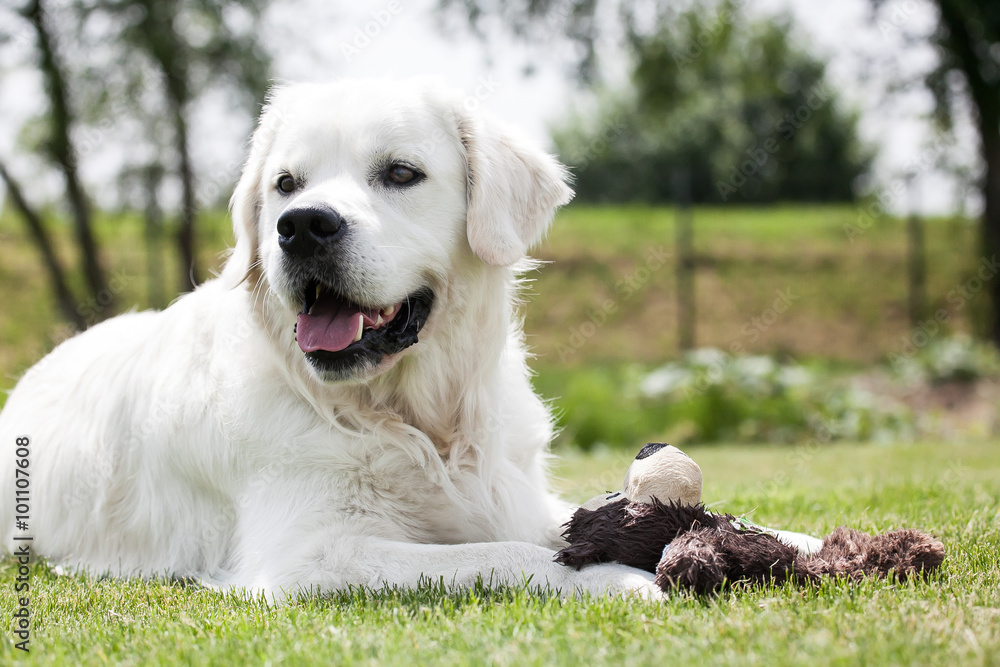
(656, 523)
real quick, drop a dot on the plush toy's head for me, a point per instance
(659, 471)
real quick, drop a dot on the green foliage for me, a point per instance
(734, 102)
(158, 59)
(709, 396)
(598, 405)
(963, 38)
(194, 43)
(959, 359)
(950, 619)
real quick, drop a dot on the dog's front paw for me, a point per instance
(614, 580)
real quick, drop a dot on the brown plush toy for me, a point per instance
(656, 523)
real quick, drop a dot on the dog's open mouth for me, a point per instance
(336, 333)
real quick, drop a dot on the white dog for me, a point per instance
(349, 402)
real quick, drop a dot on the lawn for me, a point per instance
(952, 490)
(844, 293)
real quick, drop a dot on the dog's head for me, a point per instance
(360, 200)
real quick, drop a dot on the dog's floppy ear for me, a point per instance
(246, 203)
(514, 191)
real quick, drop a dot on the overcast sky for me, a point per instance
(323, 42)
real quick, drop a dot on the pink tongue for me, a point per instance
(331, 325)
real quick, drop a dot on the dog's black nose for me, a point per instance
(305, 230)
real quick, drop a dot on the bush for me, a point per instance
(709, 396)
(958, 359)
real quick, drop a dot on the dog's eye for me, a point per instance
(286, 184)
(400, 174)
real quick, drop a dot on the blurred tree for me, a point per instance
(192, 46)
(110, 69)
(967, 36)
(733, 102)
(59, 148)
(968, 41)
(40, 234)
(539, 20)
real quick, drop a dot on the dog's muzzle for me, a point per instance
(340, 335)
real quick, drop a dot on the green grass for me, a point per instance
(849, 298)
(954, 618)
(29, 323)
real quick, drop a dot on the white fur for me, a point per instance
(198, 442)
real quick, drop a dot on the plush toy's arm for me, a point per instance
(579, 555)
(593, 535)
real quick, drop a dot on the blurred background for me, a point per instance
(787, 223)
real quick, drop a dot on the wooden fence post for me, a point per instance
(916, 257)
(684, 234)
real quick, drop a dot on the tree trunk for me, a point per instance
(61, 149)
(684, 234)
(916, 257)
(168, 50)
(984, 92)
(159, 37)
(36, 227)
(186, 235)
(991, 227)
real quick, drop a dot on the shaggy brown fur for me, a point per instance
(707, 551)
(631, 533)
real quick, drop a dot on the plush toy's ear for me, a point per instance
(514, 191)
(245, 204)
